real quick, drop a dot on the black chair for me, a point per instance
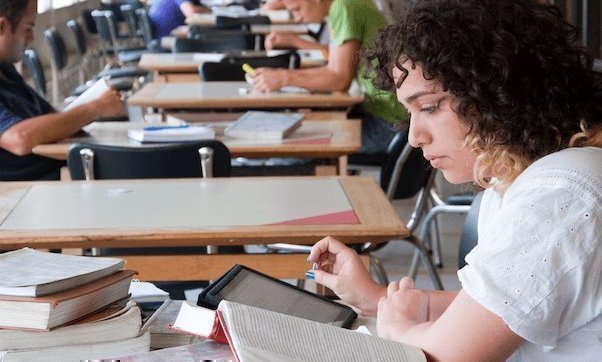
(145, 29)
(470, 236)
(35, 69)
(230, 68)
(157, 161)
(245, 21)
(106, 24)
(221, 43)
(191, 159)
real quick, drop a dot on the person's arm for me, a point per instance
(279, 40)
(337, 75)
(22, 137)
(188, 9)
(464, 331)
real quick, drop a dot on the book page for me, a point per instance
(94, 92)
(259, 334)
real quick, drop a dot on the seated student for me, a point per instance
(166, 15)
(26, 119)
(499, 95)
(353, 25)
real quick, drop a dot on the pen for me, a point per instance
(159, 128)
(248, 69)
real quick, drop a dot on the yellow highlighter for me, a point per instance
(248, 69)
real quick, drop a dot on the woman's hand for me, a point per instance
(269, 79)
(340, 269)
(403, 307)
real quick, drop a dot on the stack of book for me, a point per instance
(65, 307)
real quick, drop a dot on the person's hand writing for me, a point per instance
(109, 104)
(340, 269)
(403, 307)
(269, 79)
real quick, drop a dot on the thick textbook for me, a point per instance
(260, 335)
(264, 125)
(31, 273)
(56, 309)
(113, 323)
(158, 325)
(166, 133)
(81, 352)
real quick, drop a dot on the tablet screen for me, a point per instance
(258, 291)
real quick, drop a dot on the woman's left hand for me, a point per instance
(403, 307)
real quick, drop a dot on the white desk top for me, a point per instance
(219, 211)
(179, 204)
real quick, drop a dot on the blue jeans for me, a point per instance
(376, 132)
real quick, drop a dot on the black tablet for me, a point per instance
(247, 286)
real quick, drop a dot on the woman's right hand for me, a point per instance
(340, 269)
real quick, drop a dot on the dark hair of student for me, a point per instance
(13, 11)
(518, 78)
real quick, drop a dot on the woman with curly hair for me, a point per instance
(498, 95)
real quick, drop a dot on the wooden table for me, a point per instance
(197, 212)
(235, 95)
(184, 67)
(331, 140)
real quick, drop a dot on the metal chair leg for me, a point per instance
(379, 270)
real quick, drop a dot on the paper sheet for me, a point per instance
(92, 93)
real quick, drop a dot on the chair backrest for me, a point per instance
(58, 51)
(129, 14)
(144, 26)
(89, 21)
(204, 32)
(160, 161)
(405, 170)
(469, 237)
(219, 43)
(245, 21)
(230, 68)
(81, 44)
(35, 69)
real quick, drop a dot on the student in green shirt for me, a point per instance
(353, 25)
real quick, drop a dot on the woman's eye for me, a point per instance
(429, 108)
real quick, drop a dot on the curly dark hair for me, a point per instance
(13, 11)
(520, 82)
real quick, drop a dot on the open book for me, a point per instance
(264, 125)
(94, 92)
(30, 273)
(260, 335)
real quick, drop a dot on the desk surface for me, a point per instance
(228, 211)
(314, 139)
(190, 62)
(234, 95)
